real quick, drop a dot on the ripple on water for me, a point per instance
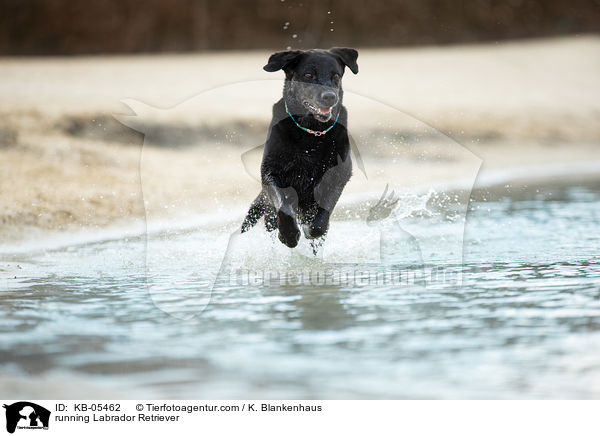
(524, 324)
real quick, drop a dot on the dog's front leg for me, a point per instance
(327, 194)
(285, 201)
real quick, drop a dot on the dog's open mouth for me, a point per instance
(321, 113)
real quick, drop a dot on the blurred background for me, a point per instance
(60, 27)
(521, 75)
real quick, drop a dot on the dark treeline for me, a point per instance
(126, 26)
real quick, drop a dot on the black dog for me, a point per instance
(306, 161)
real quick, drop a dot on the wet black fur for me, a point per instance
(294, 191)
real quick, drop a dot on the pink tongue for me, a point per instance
(324, 110)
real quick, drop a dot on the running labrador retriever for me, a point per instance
(306, 161)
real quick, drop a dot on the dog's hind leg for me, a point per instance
(257, 210)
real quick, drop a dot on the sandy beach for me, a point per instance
(67, 164)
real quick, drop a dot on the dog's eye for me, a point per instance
(308, 76)
(336, 78)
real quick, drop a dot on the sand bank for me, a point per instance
(67, 164)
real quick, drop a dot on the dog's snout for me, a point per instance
(329, 98)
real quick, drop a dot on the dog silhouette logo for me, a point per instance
(26, 415)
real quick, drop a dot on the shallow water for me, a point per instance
(524, 323)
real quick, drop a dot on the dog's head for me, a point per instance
(314, 78)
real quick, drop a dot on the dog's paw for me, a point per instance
(290, 241)
(318, 227)
(316, 231)
(289, 233)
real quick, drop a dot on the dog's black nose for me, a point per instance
(329, 98)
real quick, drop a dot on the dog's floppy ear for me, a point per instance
(347, 56)
(281, 60)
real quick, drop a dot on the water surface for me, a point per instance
(524, 323)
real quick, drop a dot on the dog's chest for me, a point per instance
(305, 167)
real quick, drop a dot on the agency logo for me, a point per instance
(26, 415)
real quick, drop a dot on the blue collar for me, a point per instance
(312, 132)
